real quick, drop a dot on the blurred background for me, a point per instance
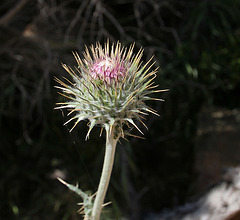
(197, 46)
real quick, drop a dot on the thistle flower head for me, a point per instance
(109, 88)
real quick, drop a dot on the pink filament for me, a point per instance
(108, 70)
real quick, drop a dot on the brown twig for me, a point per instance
(12, 12)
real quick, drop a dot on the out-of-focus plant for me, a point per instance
(211, 36)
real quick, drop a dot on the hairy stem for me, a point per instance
(111, 143)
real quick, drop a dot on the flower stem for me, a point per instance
(111, 143)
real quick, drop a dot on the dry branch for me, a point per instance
(12, 12)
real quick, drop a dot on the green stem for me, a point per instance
(111, 143)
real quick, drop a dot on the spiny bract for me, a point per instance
(109, 88)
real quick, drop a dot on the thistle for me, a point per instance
(109, 88)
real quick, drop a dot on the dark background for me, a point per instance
(196, 45)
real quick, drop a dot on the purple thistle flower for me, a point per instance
(110, 88)
(108, 70)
